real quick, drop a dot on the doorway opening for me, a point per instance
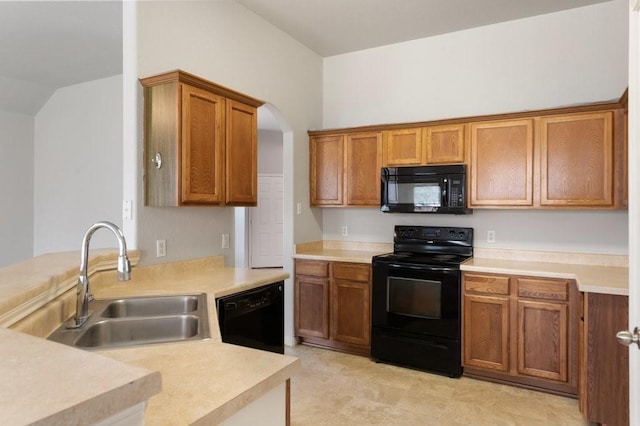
(260, 231)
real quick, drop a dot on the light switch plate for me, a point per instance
(127, 210)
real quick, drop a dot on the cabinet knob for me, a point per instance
(628, 338)
(157, 160)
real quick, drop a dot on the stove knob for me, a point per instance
(452, 233)
(461, 234)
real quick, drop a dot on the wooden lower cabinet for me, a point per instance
(521, 330)
(604, 371)
(333, 305)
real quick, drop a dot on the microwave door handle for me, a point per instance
(445, 187)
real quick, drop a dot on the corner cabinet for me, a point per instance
(521, 330)
(200, 142)
(333, 305)
(345, 170)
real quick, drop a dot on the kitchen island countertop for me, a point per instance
(203, 381)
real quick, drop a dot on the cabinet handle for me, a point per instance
(157, 160)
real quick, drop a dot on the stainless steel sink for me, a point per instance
(151, 306)
(139, 321)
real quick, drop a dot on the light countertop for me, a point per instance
(202, 382)
(594, 273)
(205, 381)
(47, 383)
(341, 251)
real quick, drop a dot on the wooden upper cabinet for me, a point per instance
(202, 146)
(242, 155)
(576, 160)
(200, 142)
(345, 170)
(574, 157)
(402, 147)
(444, 144)
(502, 163)
(362, 169)
(326, 170)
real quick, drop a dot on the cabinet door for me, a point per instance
(543, 340)
(351, 303)
(502, 163)
(576, 160)
(486, 332)
(312, 306)
(444, 144)
(202, 146)
(402, 147)
(241, 171)
(351, 312)
(363, 169)
(326, 170)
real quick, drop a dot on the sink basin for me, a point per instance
(139, 321)
(151, 306)
(139, 331)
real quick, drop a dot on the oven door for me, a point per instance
(416, 299)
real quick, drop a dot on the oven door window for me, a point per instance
(414, 297)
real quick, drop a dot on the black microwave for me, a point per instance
(424, 189)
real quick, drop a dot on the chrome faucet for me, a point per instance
(84, 296)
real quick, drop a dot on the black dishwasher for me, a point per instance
(254, 318)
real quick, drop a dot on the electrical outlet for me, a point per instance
(491, 237)
(345, 231)
(161, 248)
(299, 208)
(225, 241)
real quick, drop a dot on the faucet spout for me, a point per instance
(84, 296)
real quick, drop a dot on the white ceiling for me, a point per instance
(45, 45)
(332, 27)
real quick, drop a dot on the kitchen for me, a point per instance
(315, 93)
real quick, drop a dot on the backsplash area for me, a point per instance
(579, 231)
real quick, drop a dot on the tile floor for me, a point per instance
(339, 389)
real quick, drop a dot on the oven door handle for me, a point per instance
(423, 268)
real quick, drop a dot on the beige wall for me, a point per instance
(16, 189)
(225, 43)
(569, 57)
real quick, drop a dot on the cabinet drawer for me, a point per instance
(535, 288)
(486, 284)
(351, 271)
(312, 267)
